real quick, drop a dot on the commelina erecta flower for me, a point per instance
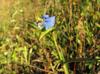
(48, 22)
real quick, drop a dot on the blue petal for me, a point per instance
(45, 16)
(49, 22)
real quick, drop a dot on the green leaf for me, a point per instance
(34, 26)
(45, 33)
(98, 26)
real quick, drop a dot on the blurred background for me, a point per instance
(71, 46)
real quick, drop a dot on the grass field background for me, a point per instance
(72, 46)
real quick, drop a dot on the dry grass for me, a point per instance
(75, 35)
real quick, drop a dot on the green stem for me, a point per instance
(60, 53)
(65, 66)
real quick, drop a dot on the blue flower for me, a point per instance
(48, 21)
(45, 16)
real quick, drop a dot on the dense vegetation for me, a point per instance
(71, 46)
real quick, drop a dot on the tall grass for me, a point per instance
(71, 46)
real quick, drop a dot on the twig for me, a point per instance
(82, 59)
(40, 69)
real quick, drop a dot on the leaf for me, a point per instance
(97, 57)
(45, 33)
(25, 53)
(34, 26)
(98, 26)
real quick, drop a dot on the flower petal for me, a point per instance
(45, 16)
(49, 22)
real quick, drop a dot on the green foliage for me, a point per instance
(24, 48)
